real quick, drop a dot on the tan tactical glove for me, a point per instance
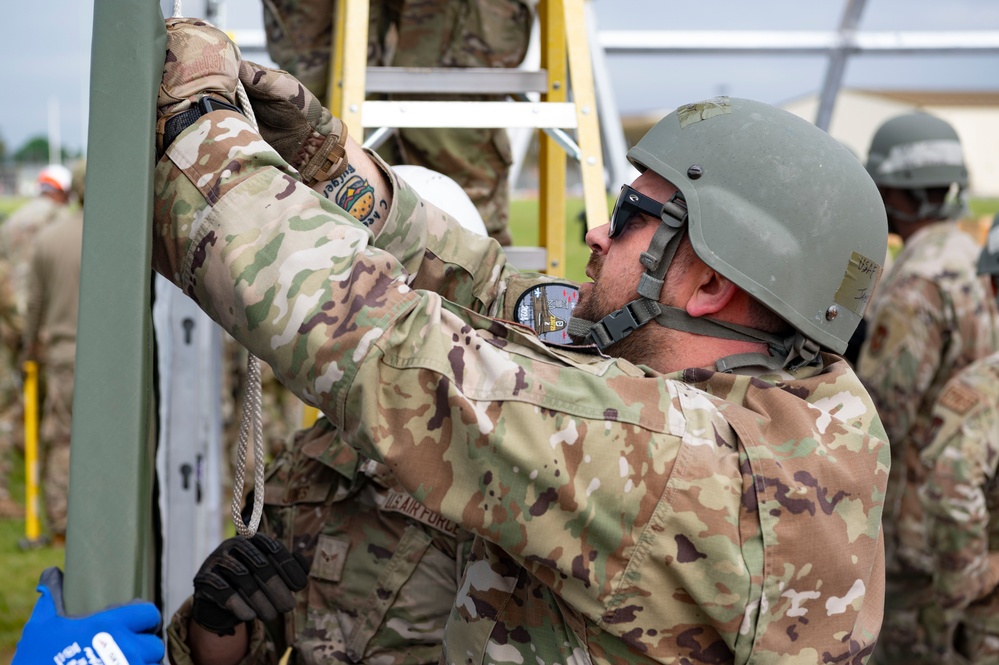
(200, 61)
(295, 123)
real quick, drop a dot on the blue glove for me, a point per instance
(122, 635)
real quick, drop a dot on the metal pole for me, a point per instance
(837, 63)
(32, 522)
(110, 545)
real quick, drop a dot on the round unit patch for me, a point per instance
(546, 310)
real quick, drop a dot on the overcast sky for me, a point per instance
(46, 51)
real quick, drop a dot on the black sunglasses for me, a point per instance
(629, 203)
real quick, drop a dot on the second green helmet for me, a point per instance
(917, 150)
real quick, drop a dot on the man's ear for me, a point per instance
(712, 293)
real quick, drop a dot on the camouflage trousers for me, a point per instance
(421, 33)
(915, 631)
(975, 644)
(54, 432)
(11, 416)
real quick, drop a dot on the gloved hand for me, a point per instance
(295, 123)
(246, 579)
(200, 60)
(127, 634)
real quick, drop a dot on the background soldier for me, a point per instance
(16, 236)
(930, 317)
(421, 33)
(650, 506)
(960, 496)
(50, 339)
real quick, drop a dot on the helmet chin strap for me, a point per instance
(951, 208)
(792, 351)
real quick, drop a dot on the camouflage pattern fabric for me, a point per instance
(621, 516)
(54, 432)
(11, 411)
(421, 33)
(50, 337)
(384, 569)
(930, 317)
(16, 236)
(960, 498)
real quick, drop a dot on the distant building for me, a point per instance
(858, 114)
(974, 115)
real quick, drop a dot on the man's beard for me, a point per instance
(593, 305)
(597, 303)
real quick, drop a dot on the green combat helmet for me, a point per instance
(919, 152)
(775, 205)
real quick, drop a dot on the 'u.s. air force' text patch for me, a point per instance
(546, 310)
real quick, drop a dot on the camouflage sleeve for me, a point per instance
(443, 396)
(260, 652)
(953, 494)
(441, 256)
(902, 354)
(438, 253)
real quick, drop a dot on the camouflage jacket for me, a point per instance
(54, 289)
(961, 493)
(383, 569)
(622, 516)
(16, 236)
(930, 317)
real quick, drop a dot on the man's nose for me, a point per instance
(598, 239)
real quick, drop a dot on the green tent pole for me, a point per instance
(110, 542)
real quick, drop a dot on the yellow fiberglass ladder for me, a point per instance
(565, 67)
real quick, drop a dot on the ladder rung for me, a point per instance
(538, 115)
(471, 80)
(527, 258)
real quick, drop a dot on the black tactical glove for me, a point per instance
(246, 579)
(295, 123)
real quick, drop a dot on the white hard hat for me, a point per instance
(444, 193)
(55, 177)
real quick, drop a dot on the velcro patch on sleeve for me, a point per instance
(959, 398)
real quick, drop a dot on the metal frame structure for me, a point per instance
(838, 44)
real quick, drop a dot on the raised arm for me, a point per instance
(438, 253)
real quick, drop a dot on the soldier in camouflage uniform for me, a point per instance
(10, 399)
(931, 316)
(16, 236)
(708, 492)
(384, 569)
(50, 339)
(960, 497)
(421, 33)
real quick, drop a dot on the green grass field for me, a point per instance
(21, 568)
(524, 225)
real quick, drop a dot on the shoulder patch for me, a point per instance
(959, 398)
(878, 338)
(546, 310)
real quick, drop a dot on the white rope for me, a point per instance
(250, 418)
(250, 424)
